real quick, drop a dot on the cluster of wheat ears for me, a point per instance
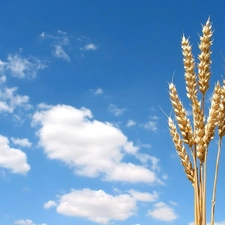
(197, 134)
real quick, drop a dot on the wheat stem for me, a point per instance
(215, 182)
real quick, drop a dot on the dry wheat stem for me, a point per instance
(215, 181)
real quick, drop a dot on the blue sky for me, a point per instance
(82, 137)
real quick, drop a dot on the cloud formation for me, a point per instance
(131, 123)
(9, 99)
(24, 142)
(12, 159)
(89, 47)
(60, 53)
(162, 212)
(58, 43)
(97, 206)
(115, 110)
(21, 67)
(50, 204)
(92, 148)
(98, 91)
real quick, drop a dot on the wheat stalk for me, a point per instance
(198, 138)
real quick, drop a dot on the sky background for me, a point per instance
(82, 138)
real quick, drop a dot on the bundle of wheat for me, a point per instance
(198, 135)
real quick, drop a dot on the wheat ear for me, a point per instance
(213, 115)
(221, 117)
(181, 151)
(204, 57)
(181, 117)
(189, 67)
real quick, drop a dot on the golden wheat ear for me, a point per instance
(189, 67)
(204, 57)
(221, 116)
(212, 120)
(181, 117)
(181, 151)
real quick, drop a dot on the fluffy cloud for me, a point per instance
(162, 212)
(9, 100)
(23, 67)
(27, 222)
(60, 53)
(3, 79)
(13, 159)
(151, 125)
(115, 110)
(131, 123)
(89, 47)
(143, 196)
(131, 173)
(98, 91)
(97, 206)
(91, 147)
(59, 42)
(24, 142)
(100, 207)
(50, 204)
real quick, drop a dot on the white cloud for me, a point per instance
(5, 108)
(9, 100)
(98, 91)
(131, 173)
(58, 43)
(13, 159)
(27, 222)
(145, 158)
(60, 53)
(62, 32)
(144, 196)
(3, 66)
(3, 79)
(115, 110)
(218, 223)
(24, 67)
(92, 148)
(131, 123)
(50, 204)
(151, 125)
(24, 142)
(44, 106)
(97, 206)
(89, 47)
(162, 212)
